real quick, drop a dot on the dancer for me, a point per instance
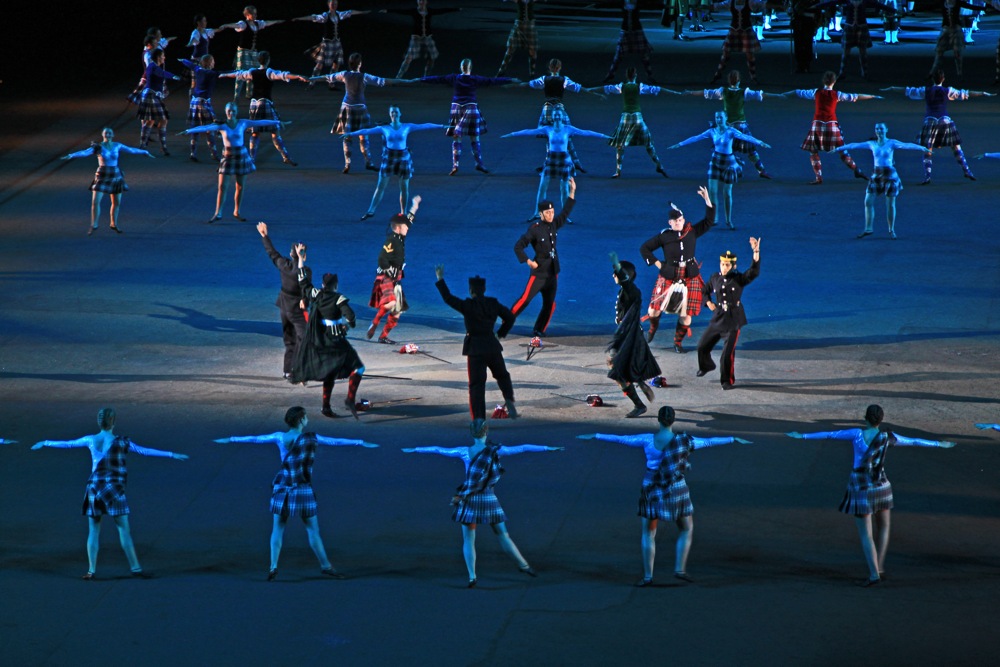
(396, 158)
(465, 117)
(235, 159)
(542, 236)
(824, 133)
(481, 347)
(803, 21)
(723, 170)
(475, 500)
(292, 492)
(422, 37)
(855, 29)
(741, 37)
(676, 12)
(679, 270)
(329, 53)
(151, 112)
(261, 106)
(869, 493)
(109, 178)
(105, 493)
(522, 36)
(294, 274)
(664, 494)
(324, 353)
(558, 163)
(733, 98)
(632, 130)
(951, 37)
(246, 52)
(939, 129)
(387, 292)
(890, 22)
(631, 39)
(885, 180)
(199, 42)
(728, 316)
(629, 358)
(200, 111)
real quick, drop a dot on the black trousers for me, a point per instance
(709, 339)
(803, 29)
(478, 363)
(547, 286)
(293, 328)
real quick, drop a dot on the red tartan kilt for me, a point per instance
(823, 137)
(382, 293)
(744, 41)
(695, 288)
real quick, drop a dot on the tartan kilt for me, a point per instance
(740, 146)
(857, 35)
(109, 180)
(866, 496)
(151, 106)
(634, 41)
(559, 165)
(134, 96)
(245, 59)
(421, 46)
(885, 181)
(105, 498)
(263, 109)
(523, 36)
(723, 167)
(669, 503)
(482, 507)
(744, 41)
(548, 109)
(236, 163)
(939, 132)
(200, 112)
(823, 136)
(631, 131)
(695, 287)
(384, 293)
(396, 162)
(950, 39)
(289, 501)
(352, 118)
(465, 120)
(328, 52)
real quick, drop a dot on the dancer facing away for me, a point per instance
(733, 97)
(741, 37)
(396, 159)
(387, 292)
(422, 37)
(200, 111)
(951, 36)
(664, 494)
(632, 130)
(151, 112)
(558, 163)
(246, 51)
(824, 133)
(544, 278)
(105, 493)
(292, 492)
(475, 500)
(869, 493)
(885, 180)
(939, 130)
(679, 270)
(108, 179)
(629, 358)
(723, 170)
(728, 316)
(631, 39)
(291, 301)
(481, 347)
(235, 159)
(329, 53)
(465, 117)
(522, 36)
(855, 29)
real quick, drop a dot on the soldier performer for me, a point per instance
(387, 292)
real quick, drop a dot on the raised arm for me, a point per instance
(446, 294)
(343, 442)
(920, 442)
(629, 440)
(523, 449)
(454, 452)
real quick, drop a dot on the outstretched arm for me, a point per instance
(84, 153)
(215, 127)
(536, 132)
(366, 131)
(427, 126)
(707, 134)
(847, 434)
(522, 449)
(63, 444)
(630, 440)
(343, 442)
(269, 439)
(5, 441)
(905, 146)
(701, 443)
(149, 451)
(986, 427)
(864, 145)
(577, 132)
(920, 442)
(454, 452)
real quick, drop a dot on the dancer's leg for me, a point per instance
(685, 525)
(125, 537)
(316, 542)
(277, 537)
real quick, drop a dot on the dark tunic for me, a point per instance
(542, 237)
(678, 247)
(632, 360)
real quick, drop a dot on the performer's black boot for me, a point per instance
(639, 408)
(654, 324)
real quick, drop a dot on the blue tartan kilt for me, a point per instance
(740, 146)
(482, 507)
(421, 46)
(823, 137)
(723, 167)
(523, 36)
(109, 180)
(236, 162)
(744, 41)
(263, 109)
(866, 496)
(548, 109)
(396, 162)
(950, 39)
(939, 132)
(885, 181)
(290, 501)
(634, 41)
(465, 120)
(200, 112)
(559, 165)
(352, 118)
(668, 503)
(631, 131)
(856, 36)
(105, 498)
(328, 52)
(151, 106)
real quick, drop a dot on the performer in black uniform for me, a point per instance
(803, 19)
(293, 271)
(387, 292)
(629, 356)
(727, 313)
(545, 266)
(481, 346)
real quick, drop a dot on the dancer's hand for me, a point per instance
(794, 434)
(586, 436)
(703, 192)
(368, 445)
(613, 256)
(222, 441)
(179, 457)
(456, 500)
(408, 450)
(38, 445)
(262, 228)
(764, 144)
(533, 264)
(946, 444)
(985, 427)
(755, 244)
(555, 449)
(572, 187)
(439, 271)
(742, 441)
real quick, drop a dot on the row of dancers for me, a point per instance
(664, 493)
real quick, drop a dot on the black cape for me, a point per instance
(633, 361)
(321, 354)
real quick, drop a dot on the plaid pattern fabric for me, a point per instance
(328, 52)
(548, 109)
(110, 180)
(823, 137)
(479, 503)
(523, 36)
(466, 121)
(856, 35)
(396, 162)
(388, 294)
(885, 181)
(664, 493)
(744, 41)
(740, 146)
(263, 109)
(559, 165)
(865, 495)
(105, 492)
(352, 117)
(151, 106)
(631, 131)
(292, 492)
(245, 59)
(200, 112)
(695, 287)
(723, 167)
(950, 39)
(421, 47)
(236, 162)
(633, 41)
(939, 132)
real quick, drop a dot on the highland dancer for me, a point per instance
(387, 292)
(422, 37)
(939, 129)
(631, 39)
(151, 112)
(109, 178)
(679, 270)
(664, 494)
(396, 158)
(105, 492)
(855, 33)
(199, 42)
(951, 36)
(246, 51)
(292, 492)
(885, 180)
(824, 133)
(522, 36)
(869, 493)
(329, 53)
(475, 500)
(630, 360)
(741, 37)
(200, 111)
(723, 170)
